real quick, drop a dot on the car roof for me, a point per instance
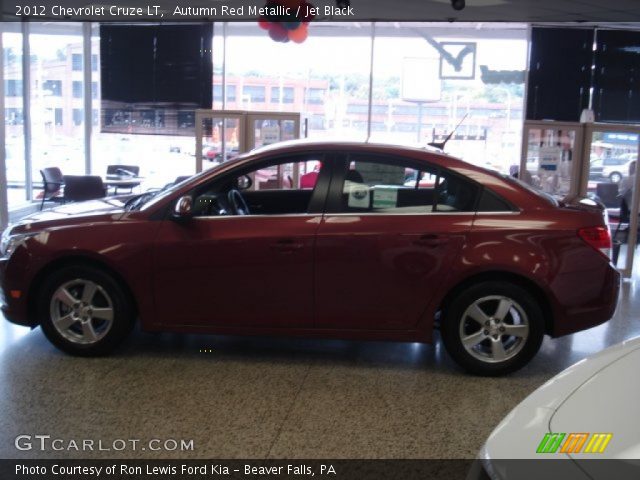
(420, 153)
(338, 144)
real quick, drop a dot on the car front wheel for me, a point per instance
(493, 328)
(84, 311)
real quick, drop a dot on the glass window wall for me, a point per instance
(326, 78)
(13, 115)
(56, 90)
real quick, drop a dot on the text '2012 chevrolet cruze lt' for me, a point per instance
(334, 240)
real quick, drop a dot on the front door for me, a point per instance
(384, 247)
(242, 266)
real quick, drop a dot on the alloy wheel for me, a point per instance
(81, 311)
(494, 329)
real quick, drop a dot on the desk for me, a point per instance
(119, 181)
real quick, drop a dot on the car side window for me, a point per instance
(381, 185)
(490, 202)
(298, 175)
(276, 187)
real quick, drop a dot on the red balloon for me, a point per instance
(278, 33)
(299, 35)
(264, 24)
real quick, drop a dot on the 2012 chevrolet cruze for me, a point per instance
(338, 240)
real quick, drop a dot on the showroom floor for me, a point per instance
(271, 398)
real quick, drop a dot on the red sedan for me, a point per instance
(372, 251)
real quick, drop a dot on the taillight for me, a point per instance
(598, 237)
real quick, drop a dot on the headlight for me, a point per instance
(11, 241)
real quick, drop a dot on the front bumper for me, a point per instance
(13, 309)
(3, 266)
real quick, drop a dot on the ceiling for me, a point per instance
(533, 11)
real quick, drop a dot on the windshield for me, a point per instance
(551, 199)
(141, 201)
(150, 199)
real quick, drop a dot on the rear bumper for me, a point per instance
(592, 304)
(13, 309)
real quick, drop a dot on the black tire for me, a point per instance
(103, 335)
(615, 177)
(483, 355)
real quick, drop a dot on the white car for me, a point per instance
(590, 411)
(616, 168)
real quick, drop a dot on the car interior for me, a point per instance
(368, 187)
(278, 189)
(372, 187)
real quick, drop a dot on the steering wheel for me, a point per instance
(238, 205)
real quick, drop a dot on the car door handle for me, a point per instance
(286, 245)
(431, 240)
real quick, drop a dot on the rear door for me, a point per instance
(392, 228)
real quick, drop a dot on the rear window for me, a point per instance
(490, 202)
(390, 185)
(532, 189)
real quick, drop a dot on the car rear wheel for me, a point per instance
(83, 311)
(615, 177)
(493, 328)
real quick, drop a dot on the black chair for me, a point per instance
(123, 172)
(52, 181)
(623, 217)
(181, 178)
(608, 194)
(78, 188)
(178, 179)
(625, 214)
(354, 176)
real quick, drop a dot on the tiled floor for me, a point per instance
(270, 398)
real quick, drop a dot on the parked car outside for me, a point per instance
(617, 168)
(213, 154)
(365, 254)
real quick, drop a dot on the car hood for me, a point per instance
(73, 214)
(608, 402)
(599, 394)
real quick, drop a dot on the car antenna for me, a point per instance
(441, 145)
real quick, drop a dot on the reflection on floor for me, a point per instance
(269, 398)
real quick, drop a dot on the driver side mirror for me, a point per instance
(244, 182)
(184, 208)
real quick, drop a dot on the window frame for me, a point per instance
(341, 167)
(77, 62)
(512, 208)
(247, 89)
(13, 87)
(275, 94)
(53, 82)
(77, 89)
(319, 194)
